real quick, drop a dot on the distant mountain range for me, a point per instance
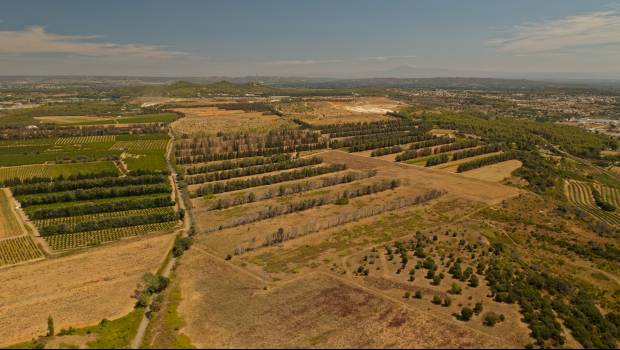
(400, 77)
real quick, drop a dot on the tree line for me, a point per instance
(92, 193)
(386, 125)
(479, 163)
(386, 150)
(265, 152)
(293, 207)
(105, 207)
(476, 151)
(367, 142)
(456, 146)
(234, 185)
(376, 129)
(442, 158)
(67, 185)
(238, 142)
(254, 170)
(53, 131)
(81, 176)
(282, 235)
(234, 164)
(288, 189)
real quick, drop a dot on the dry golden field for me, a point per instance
(76, 290)
(305, 291)
(211, 120)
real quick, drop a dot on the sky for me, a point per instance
(318, 38)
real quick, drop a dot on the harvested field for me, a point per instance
(225, 307)
(211, 120)
(76, 290)
(495, 172)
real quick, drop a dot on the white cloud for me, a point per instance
(300, 62)
(316, 61)
(385, 58)
(36, 40)
(585, 30)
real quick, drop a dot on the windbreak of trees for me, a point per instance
(442, 158)
(234, 164)
(479, 163)
(259, 169)
(414, 153)
(281, 235)
(34, 180)
(476, 152)
(264, 152)
(288, 189)
(385, 125)
(95, 208)
(92, 193)
(107, 223)
(456, 146)
(18, 132)
(305, 204)
(234, 185)
(386, 150)
(67, 185)
(432, 141)
(367, 142)
(244, 142)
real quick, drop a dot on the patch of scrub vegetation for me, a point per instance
(108, 334)
(165, 325)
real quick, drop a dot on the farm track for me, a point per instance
(169, 264)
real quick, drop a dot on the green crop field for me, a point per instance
(140, 145)
(130, 119)
(90, 238)
(71, 220)
(55, 170)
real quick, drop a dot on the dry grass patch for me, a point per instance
(224, 307)
(76, 290)
(495, 172)
(211, 120)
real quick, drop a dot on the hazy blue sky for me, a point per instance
(318, 38)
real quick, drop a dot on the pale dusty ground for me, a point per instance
(225, 306)
(494, 172)
(210, 120)
(284, 296)
(76, 290)
(352, 110)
